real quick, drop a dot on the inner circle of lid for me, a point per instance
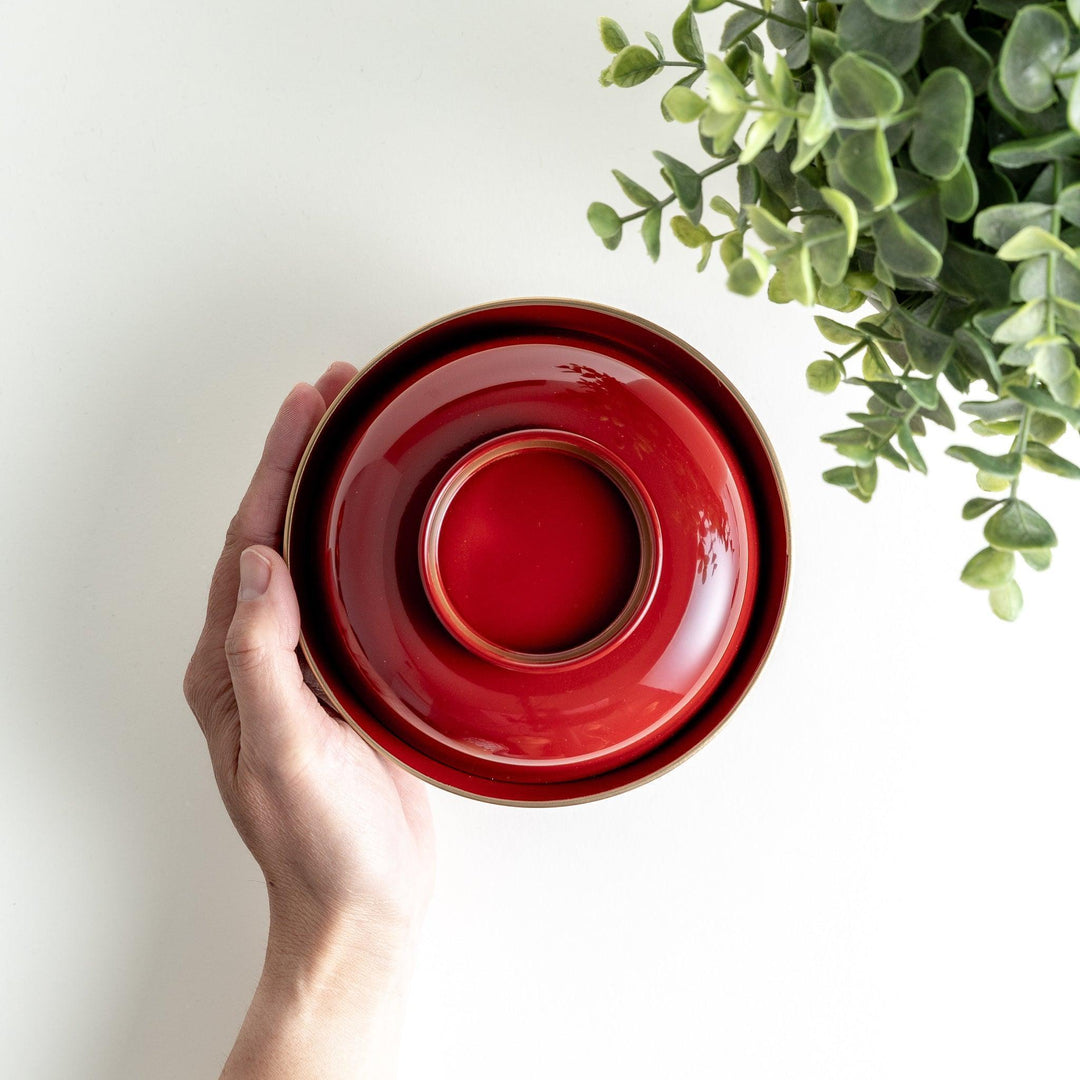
(538, 549)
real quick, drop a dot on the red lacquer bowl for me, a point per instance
(541, 551)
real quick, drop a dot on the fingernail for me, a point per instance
(254, 574)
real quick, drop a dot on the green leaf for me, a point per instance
(1007, 601)
(684, 182)
(874, 368)
(865, 163)
(827, 244)
(1042, 457)
(686, 232)
(924, 392)
(997, 224)
(990, 482)
(683, 104)
(858, 436)
(722, 206)
(1046, 429)
(821, 120)
(726, 92)
(1000, 427)
(1031, 240)
(939, 137)
(948, 44)
(904, 250)
(889, 392)
(1033, 49)
(887, 451)
(1072, 112)
(824, 376)
(1068, 202)
(861, 89)
(772, 232)
(731, 249)
(839, 298)
(650, 232)
(1044, 403)
(761, 132)
(784, 36)
(975, 275)
(866, 478)
(927, 349)
(907, 444)
(903, 11)
(686, 37)
(604, 220)
(837, 333)
(859, 454)
(1039, 559)
(942, 416)
(978, 355)
(974, 508)
(844, 209)
(1005, 465)
(795, 277)
(634, 65)
(1058, 146)
(634, 191)
(1017, 527)
(959, 194)
(788, 95)
(739, 26)
(747, 275)
(705, 5)
(842, 476)
(862, 30)
(1054, 364)
(719, 129)
(878, 424)
(1026, 322)
(1002, 409)
(817, 127)
(989, 568)
(654, 41)
(612, 35)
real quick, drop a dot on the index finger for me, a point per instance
(261, 515)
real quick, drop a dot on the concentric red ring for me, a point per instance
(557, 734)
(621, 479)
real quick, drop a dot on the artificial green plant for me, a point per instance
(916, 156)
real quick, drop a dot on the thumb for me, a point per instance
(272, 698)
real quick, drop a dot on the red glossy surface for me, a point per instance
(538, 551)
(704, 602)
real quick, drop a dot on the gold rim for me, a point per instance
(754, 422)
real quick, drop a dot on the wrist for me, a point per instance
(339, 956)
(330, 1001)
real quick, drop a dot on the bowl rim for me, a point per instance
(768, 641)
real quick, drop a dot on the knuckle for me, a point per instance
(244, 648)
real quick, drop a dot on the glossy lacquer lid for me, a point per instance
(541, 551)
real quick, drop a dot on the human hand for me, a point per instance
(342, 834)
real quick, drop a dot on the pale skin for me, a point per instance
(343, 835)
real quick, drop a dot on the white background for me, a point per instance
(870, 872)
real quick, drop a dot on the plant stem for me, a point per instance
(642, 212)
(1021, 441)
(768, 14)
(723, 163)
